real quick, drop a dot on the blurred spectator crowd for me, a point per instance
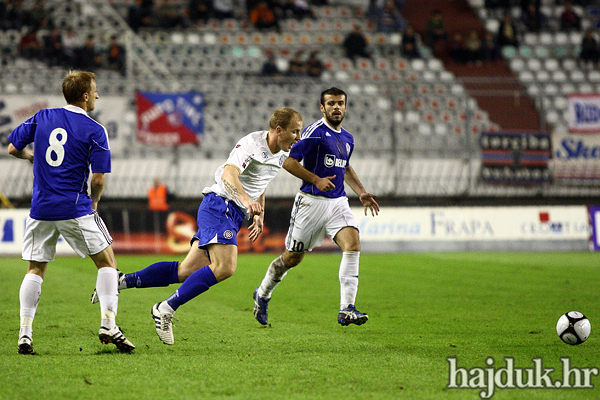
(65, 46)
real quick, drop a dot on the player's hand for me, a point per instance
(254, 208)
(325, 184)
(368, 200)
(95, 205)
(256, 228)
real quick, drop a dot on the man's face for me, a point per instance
(287, 137)
(92, 96)
(334, 109)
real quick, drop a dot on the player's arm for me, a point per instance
(367, 199)
(258, 221)
(232, 184)
(97, 187)
(25, 154)
(294, 167)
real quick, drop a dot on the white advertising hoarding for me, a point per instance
(584, 113)
(576, 157)
(474, 223)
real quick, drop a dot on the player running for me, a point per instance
(66, 143)
(238, 193)
(321, 207)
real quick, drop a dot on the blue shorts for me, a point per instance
(219, 221)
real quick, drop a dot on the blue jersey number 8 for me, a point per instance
(56, 147)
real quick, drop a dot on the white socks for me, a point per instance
(106, 287)
(29, 296)
(276, 272)
(348, 278)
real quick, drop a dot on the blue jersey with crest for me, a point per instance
(324, 152)
(66, 142)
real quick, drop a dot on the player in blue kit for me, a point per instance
(321, 207)
(66, 143)
(238, 193)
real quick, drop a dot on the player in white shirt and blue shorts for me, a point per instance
(321, 207)
(238, 193)
(67, 142)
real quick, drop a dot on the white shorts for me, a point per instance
(86, 235)
(313, 217)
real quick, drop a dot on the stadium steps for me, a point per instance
(458, 16)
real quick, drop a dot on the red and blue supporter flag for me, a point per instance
(515, 157)
(169, 119)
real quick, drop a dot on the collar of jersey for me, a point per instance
(72, 108)
(329, 126)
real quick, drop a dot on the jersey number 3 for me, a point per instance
(55, 153)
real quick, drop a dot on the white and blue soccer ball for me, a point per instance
(573, 328)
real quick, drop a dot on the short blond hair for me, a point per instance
(75, 84)
(284, 117)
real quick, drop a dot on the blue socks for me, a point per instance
(197, 283)
(158, 274)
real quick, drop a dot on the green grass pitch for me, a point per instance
(423, 309)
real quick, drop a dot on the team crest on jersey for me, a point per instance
(347, 148)
(329, 160)
(227, 234)
(265, 155)
(281, 160)
(332, 161)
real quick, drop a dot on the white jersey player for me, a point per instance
(238, 193)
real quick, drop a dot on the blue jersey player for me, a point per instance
(66, 143)
(321, 207)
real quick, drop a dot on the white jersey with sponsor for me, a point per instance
(257, 165)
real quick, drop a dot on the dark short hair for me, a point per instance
(75, 84)
(333, 91)
(283, 117)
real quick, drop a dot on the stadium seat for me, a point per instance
(509, 52)
(533, 90)
(418, 65)
(517, 64)
(541, 52)
(594, 76)
(559, 76)
(525, 52)
(530, 39)
(425, 129)
(585, 88)
(567, 88)
(550, 90)
(577, 76)
(546, 39)
(526, 77)
(534, 65)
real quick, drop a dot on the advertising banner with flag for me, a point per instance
(515, 157)
(584, 113)
(169, 119)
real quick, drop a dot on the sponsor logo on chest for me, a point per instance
(332, 161)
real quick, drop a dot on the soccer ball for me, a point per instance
(573, 328)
